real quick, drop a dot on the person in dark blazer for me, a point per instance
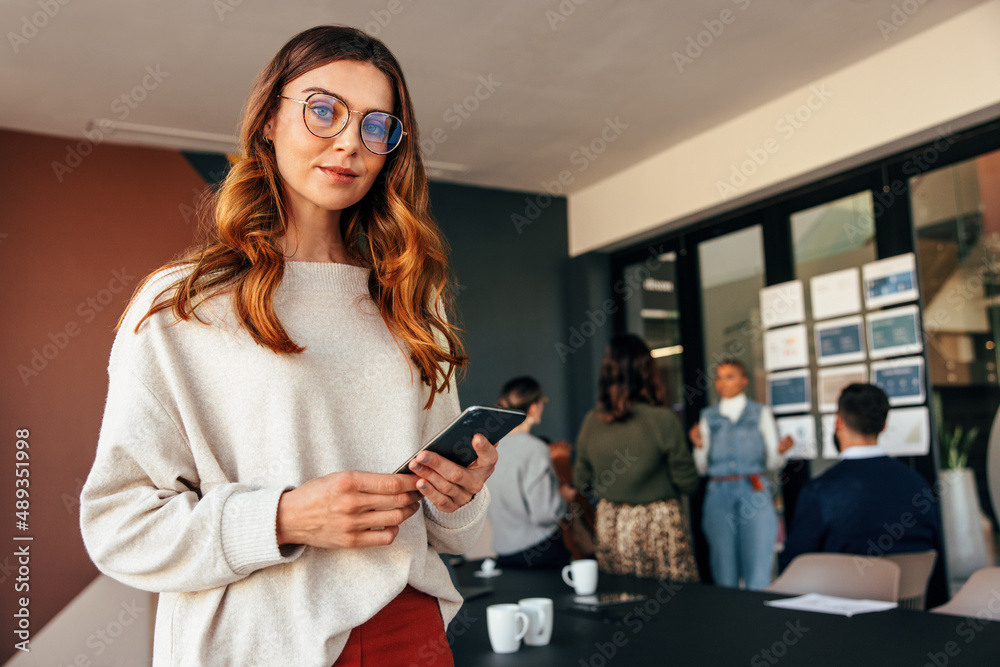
(867, 504)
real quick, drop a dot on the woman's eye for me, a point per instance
(323, 113)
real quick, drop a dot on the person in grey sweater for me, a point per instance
(263, 390)
(527, 500)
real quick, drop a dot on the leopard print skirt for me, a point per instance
(648, 541)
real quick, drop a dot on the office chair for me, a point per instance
(840, 575)
(914, 572)
(979, 596)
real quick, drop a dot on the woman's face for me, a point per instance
(730, 381)
(321, 175)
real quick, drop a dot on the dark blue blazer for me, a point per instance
(870, 507)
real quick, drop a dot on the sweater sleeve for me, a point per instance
(582, 470)
(769, 433)
(454, 532)
(682, 468)
(145, 517)
(701, 453)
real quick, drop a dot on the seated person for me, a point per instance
(526, 498)
(867, 504)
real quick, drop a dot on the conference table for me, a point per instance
(701, 624)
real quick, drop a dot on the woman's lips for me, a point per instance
(339, 174)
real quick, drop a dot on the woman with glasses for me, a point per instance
(632, 454)
(526, 499)
(263, 388)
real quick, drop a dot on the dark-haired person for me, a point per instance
(262, 389)
(526, 500)
(868, 503)
(632, 454)
(736, 441)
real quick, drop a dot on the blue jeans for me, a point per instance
(741, 528)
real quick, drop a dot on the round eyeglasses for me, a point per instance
(326, 116)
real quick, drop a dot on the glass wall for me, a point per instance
(732, 274)
(652, 314)
(956, 213)
(836, 235)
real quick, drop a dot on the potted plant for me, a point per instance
(965, 541)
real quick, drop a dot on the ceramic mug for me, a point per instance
(582, 576)
(502, 621)
(539, 612)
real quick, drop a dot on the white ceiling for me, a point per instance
(564, 68)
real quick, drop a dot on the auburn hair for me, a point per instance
(389, 231)
(628, 376)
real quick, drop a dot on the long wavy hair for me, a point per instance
(389, 231)
(628, 376)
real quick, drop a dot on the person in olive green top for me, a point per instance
(632, 454)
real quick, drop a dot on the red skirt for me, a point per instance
(408, 630)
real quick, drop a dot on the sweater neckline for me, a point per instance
(325, 277)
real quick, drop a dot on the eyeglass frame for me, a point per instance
(305, 107)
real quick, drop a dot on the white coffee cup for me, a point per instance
(539, 611)
(502, 621)
(582, 576)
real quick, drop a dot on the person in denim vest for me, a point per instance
(736, 442)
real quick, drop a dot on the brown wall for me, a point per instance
(71, 252)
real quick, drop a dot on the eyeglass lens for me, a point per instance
(327, 116)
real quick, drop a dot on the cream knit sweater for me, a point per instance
(203, 429)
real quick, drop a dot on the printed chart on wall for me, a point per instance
(782, 304)
(802, 428)
(787, 347)
(788, 391)
(840, 341)
(890, 281)
(907, 432)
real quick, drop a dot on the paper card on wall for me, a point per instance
(894, 332)
(837, 293)
(891, 280)
(789, 391)
(787, 347)
(907, 432)
(831, 381)
(828, 422)
(840, 341)
(782, 304)
(902, 380)
(802, 428)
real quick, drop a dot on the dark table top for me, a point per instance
(699, 624)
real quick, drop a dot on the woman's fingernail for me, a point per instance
(416, 466)
(425, 459)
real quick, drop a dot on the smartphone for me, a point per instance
(605, 600)
(455, 441)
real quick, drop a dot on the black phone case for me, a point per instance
(455, 441)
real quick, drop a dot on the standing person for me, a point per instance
(632, 454)
(735, 441)
(853, 507)
(526, 499)
(262, 388)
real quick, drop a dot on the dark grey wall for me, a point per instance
(519, 295)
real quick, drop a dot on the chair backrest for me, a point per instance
(842, 575)
(979, 596)
(914, 572)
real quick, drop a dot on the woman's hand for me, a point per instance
(449, 485)
(347, 510)
(695, 434)
(786, 443)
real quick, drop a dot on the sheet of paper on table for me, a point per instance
(828, 604)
